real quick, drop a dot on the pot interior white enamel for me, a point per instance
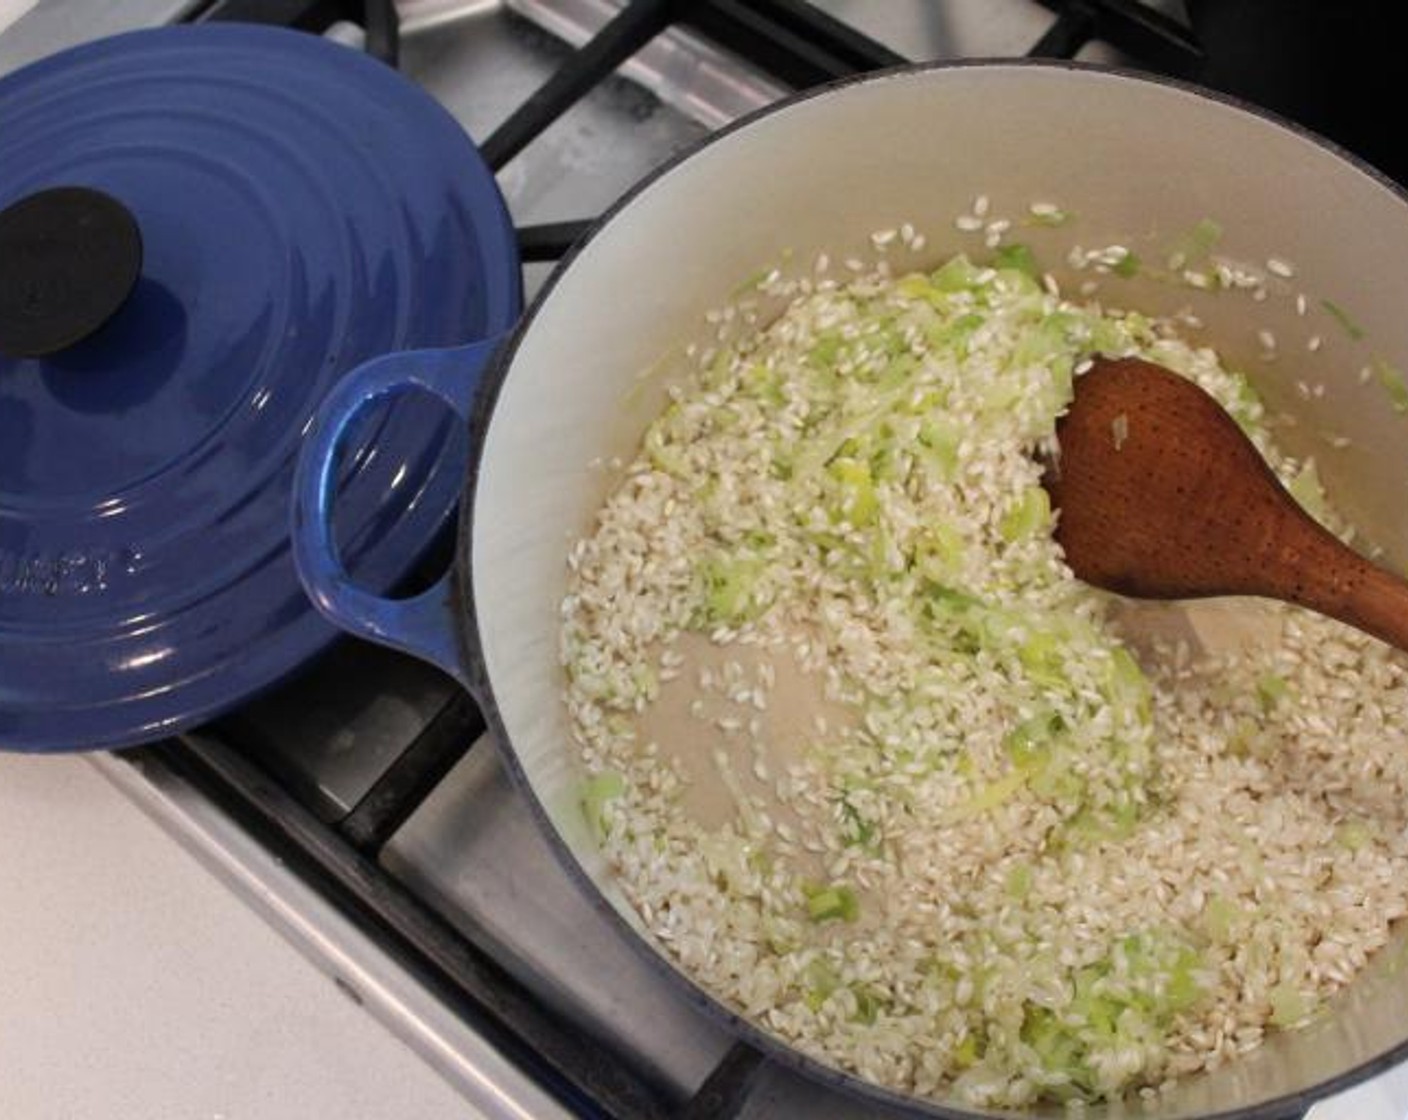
(1136, 162)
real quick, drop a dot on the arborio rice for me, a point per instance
(884, 777)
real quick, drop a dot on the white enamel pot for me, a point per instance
(1136, 161)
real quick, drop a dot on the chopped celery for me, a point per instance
(1030, 515)
(1341, 316)
(1391, 378)
(596, 792)
(829, 903)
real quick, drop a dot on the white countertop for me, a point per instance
(134, 985)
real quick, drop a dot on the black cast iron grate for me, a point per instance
(799, 46)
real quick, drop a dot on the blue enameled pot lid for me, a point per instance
(301, 208)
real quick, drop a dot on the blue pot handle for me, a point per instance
(425, 626)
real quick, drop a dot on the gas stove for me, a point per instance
(361, 807)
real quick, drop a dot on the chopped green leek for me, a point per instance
(1028, 741)
(1271, 689)
(939, 553)
(1341, 316)
(915, 286)
(989, 797)
(1019, 881)
(1308, 491)
(1289, 1005)
(869, 1004)
(1221, 919)
(596, 792)
(731, 589)
(1355, 834)
(968, 1052)
(1124, 1000)
(957, 274)
(750, 283)
(1195, 245)
(830, 903)
(822, 980)
(1245, 407)
(1049, 216)
(953, 334)
(1019, 258)
(765, 384)
(1030, 515)
(856, 830)
(1127, 685)
(1043, 655)
(858, 505)
(1391, 378)
(827, 350)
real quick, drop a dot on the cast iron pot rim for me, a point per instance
(774, 1048)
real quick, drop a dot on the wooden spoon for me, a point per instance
(1161, 496)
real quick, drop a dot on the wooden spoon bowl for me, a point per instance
(1161, 496)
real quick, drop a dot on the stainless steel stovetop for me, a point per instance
(288, 799)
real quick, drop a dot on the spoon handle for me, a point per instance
(1374, 601)
(1323, 573)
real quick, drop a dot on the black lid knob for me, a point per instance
(69, 258)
